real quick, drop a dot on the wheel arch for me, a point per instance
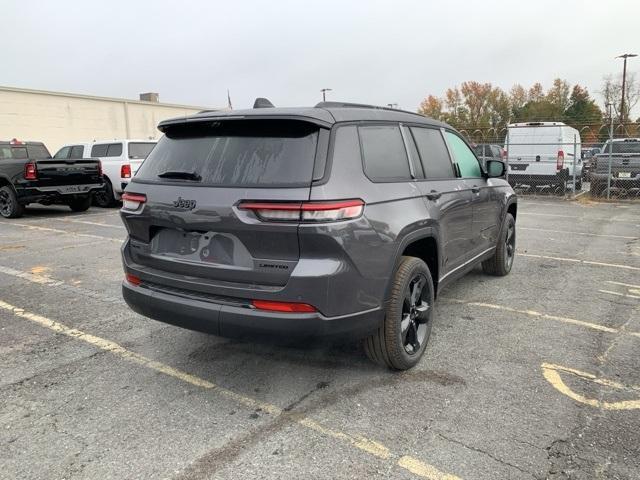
(423, 244)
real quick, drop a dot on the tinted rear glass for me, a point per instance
(623, 147)
(99, 150)
(385, 157)
(114, 150)
(140, 150)
(433, 152)
(236, 153)
(38, 151)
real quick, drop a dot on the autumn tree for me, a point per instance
(612, 94)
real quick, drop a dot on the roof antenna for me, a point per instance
(262, 103)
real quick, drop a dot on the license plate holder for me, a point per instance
(624, 174)
(70, 189)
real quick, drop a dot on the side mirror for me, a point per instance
(496, 168)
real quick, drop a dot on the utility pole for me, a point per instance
(324, 93)
(624, 81)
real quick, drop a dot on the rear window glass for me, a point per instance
(38, 151)
(622, 147)
(385, 157)
(433, 152)
(99, 150)
(236, 153)
(114, 150)
(76, 151)
(140, 150)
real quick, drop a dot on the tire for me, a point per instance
(502, 261)
(409, 314)
(105, 197)
(9, 206)
(80, 204)
(578, 184)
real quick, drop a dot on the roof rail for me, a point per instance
(361, 105)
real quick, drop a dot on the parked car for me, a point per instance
(28, 174)
(341, 220)
(488, 151)
(587, 154)
(625, 166)
(543, 153)
(120, 161)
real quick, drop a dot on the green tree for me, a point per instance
(582, 108)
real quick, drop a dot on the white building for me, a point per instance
(57, 118)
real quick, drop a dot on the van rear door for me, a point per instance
(194, 185)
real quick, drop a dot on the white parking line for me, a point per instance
(626, 295)
(65, 232)
(579, 261)
(623, 284)
(86, 222)
(565, 232)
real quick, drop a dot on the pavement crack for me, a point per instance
(488, 454)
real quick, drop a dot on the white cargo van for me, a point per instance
(542, 154)
(120, 161)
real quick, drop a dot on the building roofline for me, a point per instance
(95, 97)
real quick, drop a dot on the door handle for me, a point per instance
(433, 195)
(475, 189)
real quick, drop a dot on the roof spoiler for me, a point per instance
(262, 103)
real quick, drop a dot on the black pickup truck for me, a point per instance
(28, 174)
(624, 154)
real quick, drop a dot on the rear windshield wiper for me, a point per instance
(181, 175)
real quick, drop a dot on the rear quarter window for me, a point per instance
(247, 153)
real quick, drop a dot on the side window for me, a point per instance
(385, 157)
(414, 157)
(76, 151)
(463, 156)
(5, 152)
(433, 152)
(63, 153)
(99, 150)
(114, 150)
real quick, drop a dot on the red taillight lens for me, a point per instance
(560, 161)
(286, 307)
(133, 201)
(30, 171)
(99, 168)
(132, 279)
(125, 171)
(331, 211)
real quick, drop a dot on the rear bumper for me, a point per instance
(615, 181)
(58, 193)
(240, 321)
(520, 176)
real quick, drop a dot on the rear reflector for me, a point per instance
(125, 171)
(133, 201)
(331, 211)
(286, 307)
(132, 279)
(30, 171)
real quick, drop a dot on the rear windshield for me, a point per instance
(140, 150)
(236, 153)
(622, 147)
(23, 152)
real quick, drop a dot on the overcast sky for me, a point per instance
(366, 51)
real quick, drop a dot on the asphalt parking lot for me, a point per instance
(533, 375)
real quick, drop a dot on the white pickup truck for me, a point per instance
(120, 161)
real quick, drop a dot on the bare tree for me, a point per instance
(612, 93)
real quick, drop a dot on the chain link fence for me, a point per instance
(554, 159)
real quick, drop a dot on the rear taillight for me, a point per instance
(99, 168)
(331, 211)
(286, 307)
(30, 171)
(504, 154)
(560, 161)
(133, 201)
(132, 279)
(125, 171)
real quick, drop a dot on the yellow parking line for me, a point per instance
(417, 467)
(624, 237)
(580, 261)
(544, 316)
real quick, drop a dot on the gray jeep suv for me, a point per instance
(340, 220)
